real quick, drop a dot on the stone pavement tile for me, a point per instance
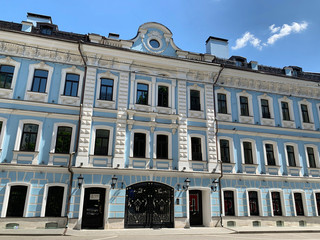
(274, 229)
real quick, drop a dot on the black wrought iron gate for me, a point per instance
(149, 205)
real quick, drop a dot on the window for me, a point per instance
(305, 113)
(298, 204)
(224, 151)
(163, 96)
(106, 89)
(253, 203)
(54, 201)
(247, 150)
(222, 103)
(317, 195)
(142, 93)
(154, 43)
(244, 106)
(71, 85)
(270, 154)
(162, 146)
(1, 127)
(101, 146)
(311, 158)
(229, 203)
(195, 100)
(63, 140)
(17, 199)
(276, 203)
(196, 149)
(46, 30)
(39, 81)
(265, 108)
(29, 137)
(6, 75)
(139, 145)
(285, 111)
(291, 156)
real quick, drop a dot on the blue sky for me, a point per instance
(273, 32)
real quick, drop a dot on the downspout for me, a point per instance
(77, 139)
(216, 137)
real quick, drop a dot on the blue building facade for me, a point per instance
(102, 133)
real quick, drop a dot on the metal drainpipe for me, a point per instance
(77, 139)
(216, 136)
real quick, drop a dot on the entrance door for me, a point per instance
(93, 208)
(149, 205)
(17, 201)
(195, 204)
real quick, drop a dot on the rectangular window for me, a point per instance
(276, 204)
(63, 140)
(196, 148)
(270, 155)
(139, 145)
(285, 111)
(291, 156)
(29, 137)
(142, 93)
(106, 89)
(305, 113)
(228, 203)
(6, 75)
(222, 103)
(101, 145)
(318, 202)
(247, 150)
(224, 151)
(0, 127)
(244, 106)
(253, 203)
(71, 85)
(195, 100)
(298, 204)
(265, 108)
(54, 201)
(163, 96)
(162, 146)
(39, 81)
(17, 201)
(311, 158)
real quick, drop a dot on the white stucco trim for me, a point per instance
(3, 130)
(93, 138)
(304, 202)
(169, 134)
(296, 153)
(235, 200)
(133, 131)
(266, 121)
(287, 123)
(254, 150)
(310, 124)
(315, 152)
(106, 103)
(261, 213)
(203, 145)
(231, 147)
(55, 134)
(224, 116)
(275, 152)
(245, 119)
(8, 93)
(283, 206)
(195, 113)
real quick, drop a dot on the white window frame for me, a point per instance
(315, 201)
(133, 131)
(266, 121)
(283, 206)
(254, 150)
(156, 133)
(19, 133)
(235, 199)
(38, 96)
(8, 93)
(70, 100)
(55, 134)
(261, 213)
(309, 125)
(275, 152)
(223, 116)
(296, 153)
(196, 113)
(150, 93)
(93, 138)
(169, 86)
(245, 119)
(3, 130)
(285, 123)
(7, 195)
(45, 197)
(106, 103)
(203, 146)
(304, 202)
(315, 152)
(231, 147)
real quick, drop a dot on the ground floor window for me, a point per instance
(276, 204)
(298, 204)
(318, 202)
(17, 201)
(228, 203)
(253, 203)
(54, 201)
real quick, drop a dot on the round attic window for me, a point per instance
(154, 43)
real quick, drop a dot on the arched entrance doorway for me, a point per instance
(149, 205)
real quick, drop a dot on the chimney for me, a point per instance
(218, 47)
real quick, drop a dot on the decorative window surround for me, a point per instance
(245, 119)
(7, 195)
(156, 133)
(31, 157)
(195, 113)
(203, 147)
(315, 172)
(3, 130)
(133, 131)
(283, 206)
(287, 123)
(70, 100)
(221, 116)
(235, 200)
(227, 167)
(171, 98)
(304, 202)
(38, 96)
(266, 121)
(272, 169)
(141, 107)
(305, 125)
(8, 93)
(162, 164)
(45, 196)
(293, 171)
(315, 201)
(60, 158)
(261, 213)
(249, 168)
(106, 103)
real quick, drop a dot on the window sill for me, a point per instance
(135, 162)
(250, 168)
(294, 171)
(308, 126)
(36, 96)
(288, 124)
(162, 164)
(6, 92)
(60, 159)
(267, 121)
(100, 161)
(165, 110)
(144, 108)
(25, 157)
(105, 104)
(272, 169)
(314, 172)
(228, 167)
(198, 165)
(246, 119)
(69, 100)
(195, 114)
(224, 117)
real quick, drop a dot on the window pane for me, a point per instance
(196, 148)
(291, 156)
(29, 137)
(102, 142)
(6, 75)
(229, 203)
(63, 140)
(142, 93)
(0, 127)
(244, 107)
(270, 154)
(265, 108)
(311, 158)
(39, 81)
(17, 200)
(253, 203)
(285, 111)
(222, 103)
(54, 201)
(162, 146)
(163, 96)
(224, 151)
(305, 113)
(247, 149)
(139, 145)
(318, 202)
(298, 204)
(276, 204)
(195, 100)
(106, 89)
(71, 85)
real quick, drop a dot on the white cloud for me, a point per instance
(274, 29)
(245, 39)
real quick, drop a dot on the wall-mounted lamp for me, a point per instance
(214, 185)
(114, 180)
(80, 180)
(186, 184)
